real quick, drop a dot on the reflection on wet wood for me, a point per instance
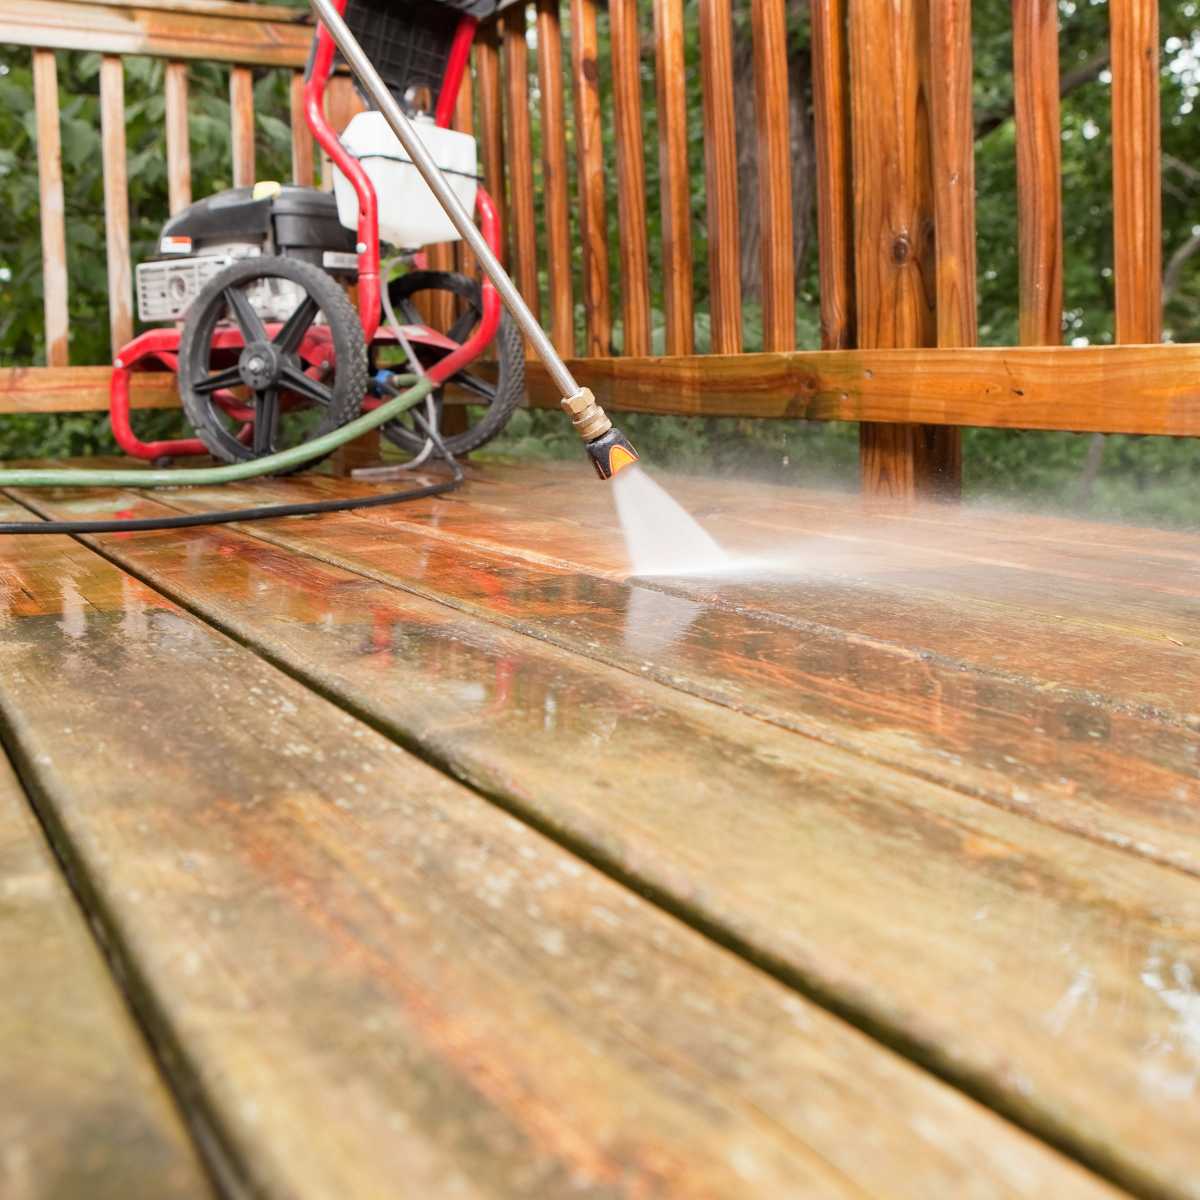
(368, 972)
(83, 1114)
(1039, 951)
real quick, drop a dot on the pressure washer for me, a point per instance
(276, 368)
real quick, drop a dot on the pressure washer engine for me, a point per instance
(205, 238)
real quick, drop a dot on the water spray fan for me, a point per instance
(608, 449)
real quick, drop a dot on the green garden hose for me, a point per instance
(21, 477)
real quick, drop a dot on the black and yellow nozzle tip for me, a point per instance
(608, 448)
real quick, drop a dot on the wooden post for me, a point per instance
(1039, 174)
(772, 117)
(894, 217)
(179, 159)
(555, 197)
(589, 148)
(835, 208)
(1137, 174)
(116, 201)
(630, 138)
(302, 140)
(720, 176)
(51, 208)
(674, 180)
(491, 121)
(241, 116)
(522, 229)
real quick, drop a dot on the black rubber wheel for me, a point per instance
(292, 395)
(496, 400)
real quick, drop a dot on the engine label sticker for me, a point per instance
(175, 245)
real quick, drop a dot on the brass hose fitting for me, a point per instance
(589, 419)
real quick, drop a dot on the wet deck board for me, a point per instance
(366, 972)
(84, 1114)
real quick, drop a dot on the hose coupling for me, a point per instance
(589, 419)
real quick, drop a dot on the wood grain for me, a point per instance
(555, 185)
(464, 121)
(179, 156)
(1103, 389)
(85, 1114)
(953, 166)
(1137, 170)
(241, 118)
(674, 178)
(302, 140)
(371, 973)
(774, 162)
(217, 33)
(894, 221)
(519, 154)
(1039, 171)
(589, 149)
(51, 209)
(992, 905)
(835, 206)
(720, 176)
(116, 202)
(629, 137)
(491, 123)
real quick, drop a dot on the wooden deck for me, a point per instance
(423, 853)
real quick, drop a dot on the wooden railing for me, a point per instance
(893, 153)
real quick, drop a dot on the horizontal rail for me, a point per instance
(204, 31)
(1152, 389)
(79, 389)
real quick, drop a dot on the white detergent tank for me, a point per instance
(409, 214)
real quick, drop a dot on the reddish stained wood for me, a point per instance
(772, 109)
(116, 202)
(1104, 389)
(179, 158)
(1039, 175)
(555, 192)
(51, 209)
(519, 154)
(93, 1118)
(589, 148)
(896, 284)
(674, 179)
(452, 952)
(302, 140)
(953, 164)
(720, 176)
(464, 121)
(241, 116)
(629, 136)
(835, 208)
(216, 33)
(1137, 170)
(342, 103)
(979, 859)
(491, 120)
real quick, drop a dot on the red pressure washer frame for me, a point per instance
(161, 346)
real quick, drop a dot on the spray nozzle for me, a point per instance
(608, 448)
(611, 452)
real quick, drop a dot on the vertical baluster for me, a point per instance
(720, 174)
(630, 138)
(555, 197)
(241, 116)
(302, 141)
(116, 201)
(519, 151)
(589, 149)
(179, 158)
(52, 208)
(491, 120)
